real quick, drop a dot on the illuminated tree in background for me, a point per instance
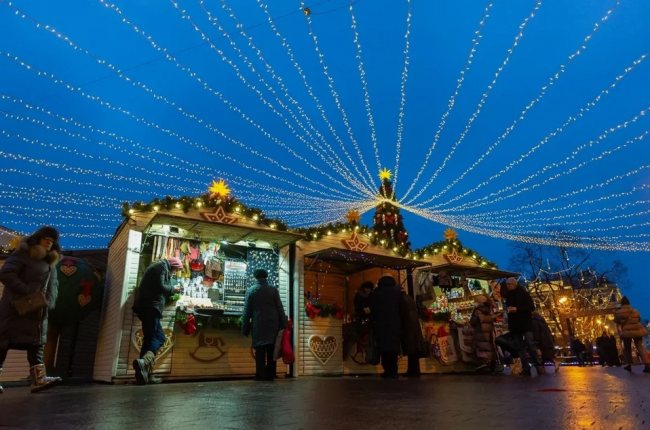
(388, 224)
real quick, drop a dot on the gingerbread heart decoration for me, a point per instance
(323, 348)
(68, 270)
(83, 300)
(137, 337)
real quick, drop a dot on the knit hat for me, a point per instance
(175, 263)
(625, 301)
(261, 274)
(511, 281)
(386, 281)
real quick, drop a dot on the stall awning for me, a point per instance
(351, 262)
(233, 233)
(474, 272)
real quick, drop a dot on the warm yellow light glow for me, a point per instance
(563, 300)
(219, 188)
(385, 174)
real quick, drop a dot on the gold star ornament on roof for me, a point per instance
(219, 189)
(385, 174)
(355, 244)
(353, 216)
(454, 258)
(450, 234)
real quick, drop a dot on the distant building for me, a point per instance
(6, 236)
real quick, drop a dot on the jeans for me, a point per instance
(152, 332)
(34, 354)
(627, 350)
(265, 367)
(526, 342)
(389, 363)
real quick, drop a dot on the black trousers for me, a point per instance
(34, 353)
(389, 363)
(413, 365)
(265, 367)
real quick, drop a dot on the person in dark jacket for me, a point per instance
(482, 321)
(412, 340)
(385, 305)
(30, 269)
(544, 340)
(362, 300)
(612, 351)
(589, 352)
(602, 349)
(264, 316)
(630, 329)
(520, 309)
(155, 288)
(578, 349)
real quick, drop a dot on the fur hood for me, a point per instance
(37, 252)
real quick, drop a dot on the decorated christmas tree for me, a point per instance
(388, 224)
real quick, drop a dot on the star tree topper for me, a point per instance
(353, 216)
(219, 189)
(450, 234)
(354, 244)
(385, 174)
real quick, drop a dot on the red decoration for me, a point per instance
(312, 311)
(340, 312)
(189, 326)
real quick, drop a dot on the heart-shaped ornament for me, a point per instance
(83, 300)
(138, 337)
(323, 348)
(68, 270)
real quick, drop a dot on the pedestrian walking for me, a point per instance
(263, 316)
(612, 351)
(362, 300)
(154, 290)
(630, 329)
(385, 306)
(482, 321)
(602, 348)
(589, 352)
(544, 340)
(31, 287)
(413, 345)
(520, 307)
(578, 349)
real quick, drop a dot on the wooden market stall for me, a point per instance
(230, 239)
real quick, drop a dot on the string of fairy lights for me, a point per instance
(326, 181)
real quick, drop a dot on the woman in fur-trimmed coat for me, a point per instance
(482, 321)
(30, 269)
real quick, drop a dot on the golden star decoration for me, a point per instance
(353, 216)
(385, 174)
(454, 258)
(219, 215)
(354, 244)
(450, 234)
(219, 188)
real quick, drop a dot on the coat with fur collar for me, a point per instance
(26, 272)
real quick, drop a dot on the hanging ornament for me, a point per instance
(401, 237)
(392, 234)
(383, 220)
(306, 11)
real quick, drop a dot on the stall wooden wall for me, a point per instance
(16, 366)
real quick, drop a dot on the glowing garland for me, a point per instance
(310, 91)
(522, 27)
(335, 95)
(506, 224)
(452, 99)
(60, 213)
(552, 81)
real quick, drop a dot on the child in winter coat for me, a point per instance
(482, 321)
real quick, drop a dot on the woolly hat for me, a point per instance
(386, 281)
(42, 233)
(175, 263)
(261, 274)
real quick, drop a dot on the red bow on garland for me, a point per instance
(189, 326)
(340, 312)
(312, 311)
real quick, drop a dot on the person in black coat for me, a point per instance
(386, 306)
(264, 316)
(578, 349)
(544, 339)
(362, 300)
(612, 352)
(520, 309)
(602, 349)
(412, 340)
(155, 288)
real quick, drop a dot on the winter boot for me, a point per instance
(153, 379)
(142, 367)
(628, 368)
(646, 370)
(1, 389)
(40, 381)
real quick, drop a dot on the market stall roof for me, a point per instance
(233, 233)
(474, 272)
(353, 261)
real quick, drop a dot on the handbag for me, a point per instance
(288, 357)
(277, 351)
(372, 353)
(32, 302)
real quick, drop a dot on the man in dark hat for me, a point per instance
(386, 317)
(264, 316)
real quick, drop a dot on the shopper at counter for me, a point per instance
(413, 345)
(520, 309)
(264, 316)
(362, 300)
(155, 288)
(385, 305)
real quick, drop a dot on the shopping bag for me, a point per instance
(447, 347)
(372, 353)
(288, 356)
(277, 352)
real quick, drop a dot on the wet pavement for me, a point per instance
(575, 398)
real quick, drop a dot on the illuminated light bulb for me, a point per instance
(395, 248)
(131, 211)
(255, 217)
(198, 204)
(563, 300)
(156, 208)
(178, 205)
(237, 209)
(445, 247)
(315, 235)
(343, 231)
(272, 226)
(329, 233)
(383, 241)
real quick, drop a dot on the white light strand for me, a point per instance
(166, 101)
(335, 95)
(340, 167)
(49, 196)
(571, 119)
(220, 96)
(310, 91)
(62, 213)
(452, 99)
(484, 98)
(364, 83)
(481, 201)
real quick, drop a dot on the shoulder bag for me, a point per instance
(32, 302)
